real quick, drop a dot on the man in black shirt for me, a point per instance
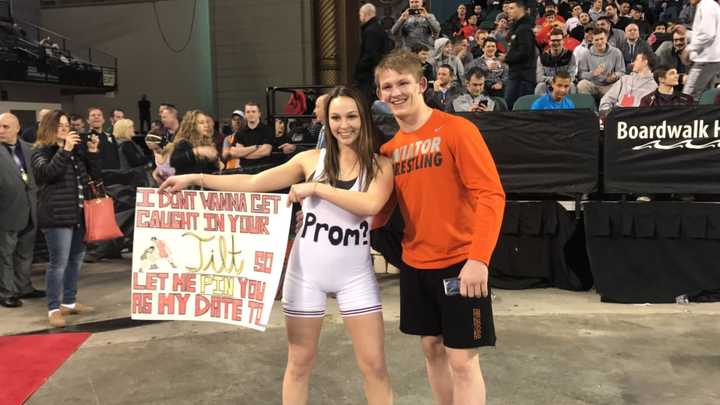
(109, 152)
(521, 58)
(254, 142)
(110, 164)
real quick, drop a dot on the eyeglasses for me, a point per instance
(678, 39)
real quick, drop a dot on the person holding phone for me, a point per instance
(416, 26)
(63, 165)
(474, 99)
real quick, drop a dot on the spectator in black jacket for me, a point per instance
(193, 150)
(667, 92)
(632, 46)
(63, 167)
(521, 58)
(373, 46)
(423, 52)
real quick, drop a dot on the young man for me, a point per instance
(474, 99)
(441, 160)
(494, 70)
(423, 52)
(253, 143)
(667, 78)
(601, 67)
(630, 89)
(444, 90)
(521, 57)
(555, 59)
(556, 97)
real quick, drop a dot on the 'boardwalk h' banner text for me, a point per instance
(208, 256)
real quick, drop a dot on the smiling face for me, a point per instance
(402, 91)
(490, 49)
(344, 120)
(96, 119)
(600, 42)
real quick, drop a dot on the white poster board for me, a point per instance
(208, 256)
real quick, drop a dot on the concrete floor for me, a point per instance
(554, 347)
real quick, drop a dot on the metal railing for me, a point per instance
(38, 42)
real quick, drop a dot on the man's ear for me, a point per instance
(423, 84)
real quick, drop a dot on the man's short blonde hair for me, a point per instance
(401, 61)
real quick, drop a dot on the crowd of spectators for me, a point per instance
(520, 47)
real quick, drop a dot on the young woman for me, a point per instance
(342, 185)
(63, 165)
(193, 150)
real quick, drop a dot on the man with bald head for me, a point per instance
(18, 200)
(632, 46)
(374, 44)
(320, 125)
(30, 134)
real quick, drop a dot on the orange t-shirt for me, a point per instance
(449, 192)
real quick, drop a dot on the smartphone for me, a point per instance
(483, 103)
(414, 11)
(451, 286)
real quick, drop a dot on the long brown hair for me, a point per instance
(188, 130)
(48, 128)
(365, 145)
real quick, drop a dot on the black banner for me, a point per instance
(543, 151)
(663, 150)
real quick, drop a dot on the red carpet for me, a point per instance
(26, 362)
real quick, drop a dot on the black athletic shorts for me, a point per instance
(425, 310)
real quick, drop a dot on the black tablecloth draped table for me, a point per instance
(653, 252)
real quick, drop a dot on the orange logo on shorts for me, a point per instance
(477, 324)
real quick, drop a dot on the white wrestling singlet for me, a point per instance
(331, 254)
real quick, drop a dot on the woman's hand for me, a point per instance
(92, 143)
(298, 192)
(71, 140)
(177, 183)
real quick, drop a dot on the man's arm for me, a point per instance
(395, 30)
(259, 152)
(540, 76)
(610, 99)
(703, 33)
(572, 68)
(479, 175)
(434, 24)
